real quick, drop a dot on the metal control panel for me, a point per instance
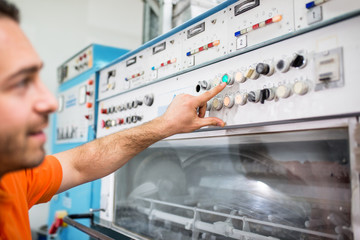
(310, 75)
(227, 30)
(307, 79)
(76, 113)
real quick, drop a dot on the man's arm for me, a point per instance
(105, 155)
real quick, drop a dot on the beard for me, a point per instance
(18, 150)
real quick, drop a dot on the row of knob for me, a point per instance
(266, 69)
(148, 101)
(267, 94)
(120, 121)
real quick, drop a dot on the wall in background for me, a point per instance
(60, 28)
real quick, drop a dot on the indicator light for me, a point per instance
(277, 18)
(89, 105)
(169, 62)
(269, 21)
(173, 60)
(91, 82)
(225, 78)
(210, 45)
(153, 68)
(216, 43)
(310, 5)
(201, 49)
(188, 54)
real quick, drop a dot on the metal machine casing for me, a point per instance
(310, 83)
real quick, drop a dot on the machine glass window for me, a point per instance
(291, 185)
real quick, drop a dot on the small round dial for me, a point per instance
(229, 101)
(264, 69)
(217, 104)
(240, 98)
(301, 88)
(239, 77)
(283, 91)
(254, 96)
(149, 99)
(283, 65)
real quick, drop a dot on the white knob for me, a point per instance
(240, 98)
(229, 101)
(283, 91)
(217, 104)
(301, 88)
(239, 77)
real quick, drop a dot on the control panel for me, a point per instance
(76, 65)
(231, 28)
(76, 113)
(92, 57)
(304, 80)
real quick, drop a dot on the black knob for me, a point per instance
(299, 61)
(108, 123)
(252, 97)
(128, 119)
(263, 68)
(128, 105)
(149, 99)
(264, 94)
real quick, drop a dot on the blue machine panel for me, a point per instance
(73, 125)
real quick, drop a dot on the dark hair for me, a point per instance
(9, 10)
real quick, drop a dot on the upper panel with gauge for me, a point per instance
(231, 28)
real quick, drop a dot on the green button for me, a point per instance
(225, 78)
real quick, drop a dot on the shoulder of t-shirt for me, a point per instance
(43, 181)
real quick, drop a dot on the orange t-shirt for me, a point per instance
(20, 190)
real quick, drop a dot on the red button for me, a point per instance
(104, 111)
(210, 45)
(103, 123)
(133, 76)
(91, 82)
(138, 74)
(169, 62)
(120, 121)
(256, 26)
(88, 93)
(162, 64)
(87, 117)
(89, 105)
(268, 21)
(201, 49)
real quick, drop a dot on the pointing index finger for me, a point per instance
(206, 96)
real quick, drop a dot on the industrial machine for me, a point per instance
(73, 124)
(286, 166)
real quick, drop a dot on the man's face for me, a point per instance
(25, 103)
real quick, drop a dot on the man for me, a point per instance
(27, 177)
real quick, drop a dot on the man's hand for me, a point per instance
(186, 112)
(102, 156)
